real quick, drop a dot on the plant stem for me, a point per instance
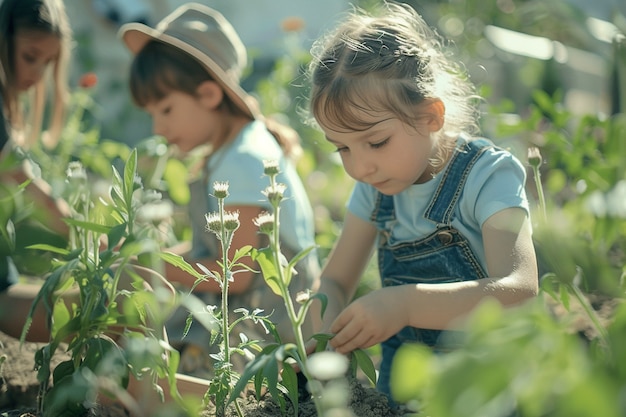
(294, 318)
(540, 194)
(224, 243)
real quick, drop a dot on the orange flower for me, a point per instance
(88, 80)
(292, 24)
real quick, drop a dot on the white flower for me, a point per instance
(220, 189)
(270, 167)
(275, 193)
(155, 212)
(76, 171)
(327, 365)
(265, 222)
(213, 223)
(231, 221)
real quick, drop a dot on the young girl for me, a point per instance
(446, 210)
(186, 74)
(34, 40)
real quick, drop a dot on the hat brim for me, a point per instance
(136, 35)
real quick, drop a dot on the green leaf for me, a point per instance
(241, 252)
(134, 248)
(265, 259)
(323, 299)
(89, 226)
(116, 234)
(179, 262)
(60, 315)
(130, 170)
(321, 341)
(8, 233)
(63, 370)
(50, 248)
(364, 362)
(46, 293)
(255, 369)
(290, 381)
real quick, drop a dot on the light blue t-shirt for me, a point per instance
(496, 182)
(240, 163)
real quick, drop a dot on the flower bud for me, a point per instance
(231, 221)
(213, 223)
(270, 168)
(534, 157)
(275, 193)
(303, 296)
(265, 223)
(76, 172)
(220, 189)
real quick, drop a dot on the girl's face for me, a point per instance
(34, 51)
(184, 120)
(391, 155)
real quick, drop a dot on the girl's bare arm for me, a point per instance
(345, 266)
(513, 278)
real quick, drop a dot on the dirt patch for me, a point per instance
(19, 390)
(19, 386)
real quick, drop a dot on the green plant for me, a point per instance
(224, 225)
(518, 359)
(96, 297)
(278, 272)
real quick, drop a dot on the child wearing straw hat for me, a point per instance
(186, 74)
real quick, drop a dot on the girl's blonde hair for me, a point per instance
(388, 61)
(159, 68)
(44, 16)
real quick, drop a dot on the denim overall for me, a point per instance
(442, 256)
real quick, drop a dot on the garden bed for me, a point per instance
(19, 389)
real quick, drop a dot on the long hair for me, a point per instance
(158, 69)
(387, 61)
(44, 16)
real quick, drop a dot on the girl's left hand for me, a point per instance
(370, 319)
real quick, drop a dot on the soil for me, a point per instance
(19, 390)
(19, 387)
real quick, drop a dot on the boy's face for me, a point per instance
(391, 155)
(182, 119)
(34, 51)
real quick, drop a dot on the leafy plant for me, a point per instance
(96, 297)
(224, 225)
(278, 358)
(518, 359)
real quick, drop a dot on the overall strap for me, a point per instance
(384, 209)
(446, 196)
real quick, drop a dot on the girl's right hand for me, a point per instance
(370, 319)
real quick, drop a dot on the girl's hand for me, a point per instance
(370, 319)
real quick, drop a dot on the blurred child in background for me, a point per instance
(35, 38)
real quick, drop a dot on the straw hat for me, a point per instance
(207, 36)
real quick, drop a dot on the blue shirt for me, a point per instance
(495, 183)
(240, 163)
